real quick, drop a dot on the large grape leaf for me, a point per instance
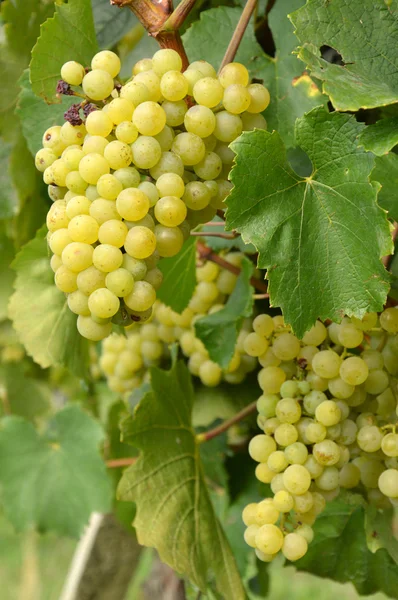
(381, 137)
(179, 277)
(365, 34)
(8, 197)
(174, 511)
(386, 172)
(321, 238)
(40, 313)
(219, 331)
(24, 396)
(68, 35)
(36, 115)
(6, 273)
(292, 90)
(111, 23)
(339, 551)
(53, 481)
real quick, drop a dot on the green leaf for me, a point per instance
(68, 35)
(222, 401)
(220, 330)
(321, 237)
(381, 137)
(339, 551)
(111, 23)
(7, 275)
(292, 90)
(26, 396)
(364, 33)
(36, 115)
(174, 511)
(386, 172)
(179, 277)
(56, 480)
(40, 313)
(9, 202)
(219, 243)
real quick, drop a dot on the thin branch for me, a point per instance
(177, 18)
(387, 259)
(206, 253)
(115, 463)
(219, 234)
(260, 296)
(212, 433)
(238, 33)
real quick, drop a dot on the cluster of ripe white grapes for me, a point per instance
(328, 411)
(125, 359)
(132, 170)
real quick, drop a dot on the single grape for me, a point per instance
(103, 303)
(269, 539)
(107, 61)
(294, 546)
(107, 258)
(233, 73)
(142, 296)
(388, 483)
(72, 72)
(97, 84)
(326, 364)
(166, 60)
(354, 370)
(91, 330)
(259, 98)
(208, 92)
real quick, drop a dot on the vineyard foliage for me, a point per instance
(310, 215)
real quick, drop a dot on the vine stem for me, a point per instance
(238, 33)
(115, 463)
(219, 234)
(212, 433)
(206, 253)
(387, 259)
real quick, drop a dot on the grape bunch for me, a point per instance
(328, 412)
(124, 360)
(132, 170)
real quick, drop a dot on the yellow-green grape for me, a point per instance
(254, 344)
(197, 195)
(72, 134)
(296, 479)
(315, 432)
(269, 539)
(55, 262)
(204, 67)
(103, 303)
(90, 279)
(168, 163)
(328, 480)
(316, 335)
(340, 389)
(252, 121)
(288, 410)
(249, 514)
(170, 211)
(107, 61)
(165, 60)
(44, 158)
(173, 86)
(72, 72)
(376, 382)
(165, 138)
(169, 240)
(113, 232)
(192, 76)
(349, 476)
(52, 140)
(107, 258)
(94, 143)
(136, 92)
(270, 379)
(208, 92)
(209, 167)
(103, 210)
(389, 444)
(142, 296)
(58, 172)
(228, 127)
(78, 303)
(388, 483)
(259, 98)
(65, 279)
(140, 242)
(109, 187)
(349, 336)
(369, 438)
(152, 82)
(283, 501)
(120, 282)
(233, 73)
(389, 320)
(326, 364)
(126, 132)
(296, 453)
(83, 228)
(263, 325)
(368, 321)
(353, 370)
(261, 447)
(266, 513)
(91, 330)
(92, 166)
(277, 461)
(210, 373)
(328, 413)
(128, 176)
(250, 535)
(189, 147)
(175, 113)
(149, 118)
(327, 453)
(236, 98)
(75, 182)
(77, 256)
(119, 110)
(146, 152)
(170, 184)
(97, 84)
(118, 155)
(286, 346)
(151, 191)
(58, 240)
(145, 64)
(132, 204)
(294, 546)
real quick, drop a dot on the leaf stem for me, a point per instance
(212, 433)
(206, 253)
(219, 234)
(387, 259)
(114, 463)
(238, 33)
(178, 16)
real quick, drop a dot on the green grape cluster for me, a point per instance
(132, 170)
(124, 360)
(328, 413)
